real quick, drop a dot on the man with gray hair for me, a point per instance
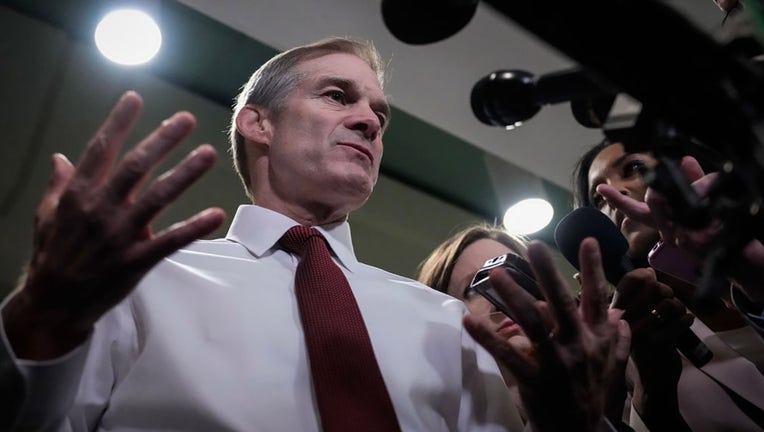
(277, 327)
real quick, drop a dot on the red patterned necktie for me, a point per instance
(349, 388)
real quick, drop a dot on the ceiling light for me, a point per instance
(128, 37)
(528, 216)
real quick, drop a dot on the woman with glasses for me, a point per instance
(451, 267)
(454, 267)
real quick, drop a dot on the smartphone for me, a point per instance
(682, 272)
(675, 262)
(517, 267)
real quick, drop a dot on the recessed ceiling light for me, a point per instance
(128, 37)
(528, 216)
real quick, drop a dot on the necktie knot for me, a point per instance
(297, 238)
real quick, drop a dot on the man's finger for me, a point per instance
(103, 148)
(595, 287)
(171, 185)
(151, 251)
(141, 160)
(559, 296)
(524, 311)
(63, 170)
(546, 315)
(500, 348)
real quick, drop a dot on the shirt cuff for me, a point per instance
(47, 388)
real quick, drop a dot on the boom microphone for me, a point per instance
(421, 22)
(509, 97)
(590, 222)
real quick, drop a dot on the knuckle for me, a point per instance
(162, 191)
(100, 143)
(155, 198)
(72, 201)
(132, 166)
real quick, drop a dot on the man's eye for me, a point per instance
(336, 95)
(382, 120)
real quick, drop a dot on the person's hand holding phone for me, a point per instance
(570, 369)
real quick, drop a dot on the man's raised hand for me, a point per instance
(92, 237)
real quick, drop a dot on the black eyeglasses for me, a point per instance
(517, 267)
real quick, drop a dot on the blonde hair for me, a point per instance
(271, 84)
(436, 270)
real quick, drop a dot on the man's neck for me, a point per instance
(307, 215)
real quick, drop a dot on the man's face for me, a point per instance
(326, 143)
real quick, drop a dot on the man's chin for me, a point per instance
(352, 194)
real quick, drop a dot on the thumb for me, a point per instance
(59, 179)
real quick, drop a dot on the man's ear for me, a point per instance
(254, 125)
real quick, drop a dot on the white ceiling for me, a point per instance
(433, 82)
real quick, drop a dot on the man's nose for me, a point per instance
(367, 122)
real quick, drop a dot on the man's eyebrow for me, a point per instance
(344, 84)
(347, 85)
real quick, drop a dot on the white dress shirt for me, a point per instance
(211, 340)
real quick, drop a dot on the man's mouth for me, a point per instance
(359, 148)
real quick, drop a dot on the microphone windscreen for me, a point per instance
(505, 98)
(419, 22)
(590, 222)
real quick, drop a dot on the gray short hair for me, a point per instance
(273, 82)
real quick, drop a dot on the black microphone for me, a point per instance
(419, 22)
(590, 222)
(507, 98)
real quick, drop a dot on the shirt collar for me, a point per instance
(259, 229)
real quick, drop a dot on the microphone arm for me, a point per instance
(669, 65)
(508, 98)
